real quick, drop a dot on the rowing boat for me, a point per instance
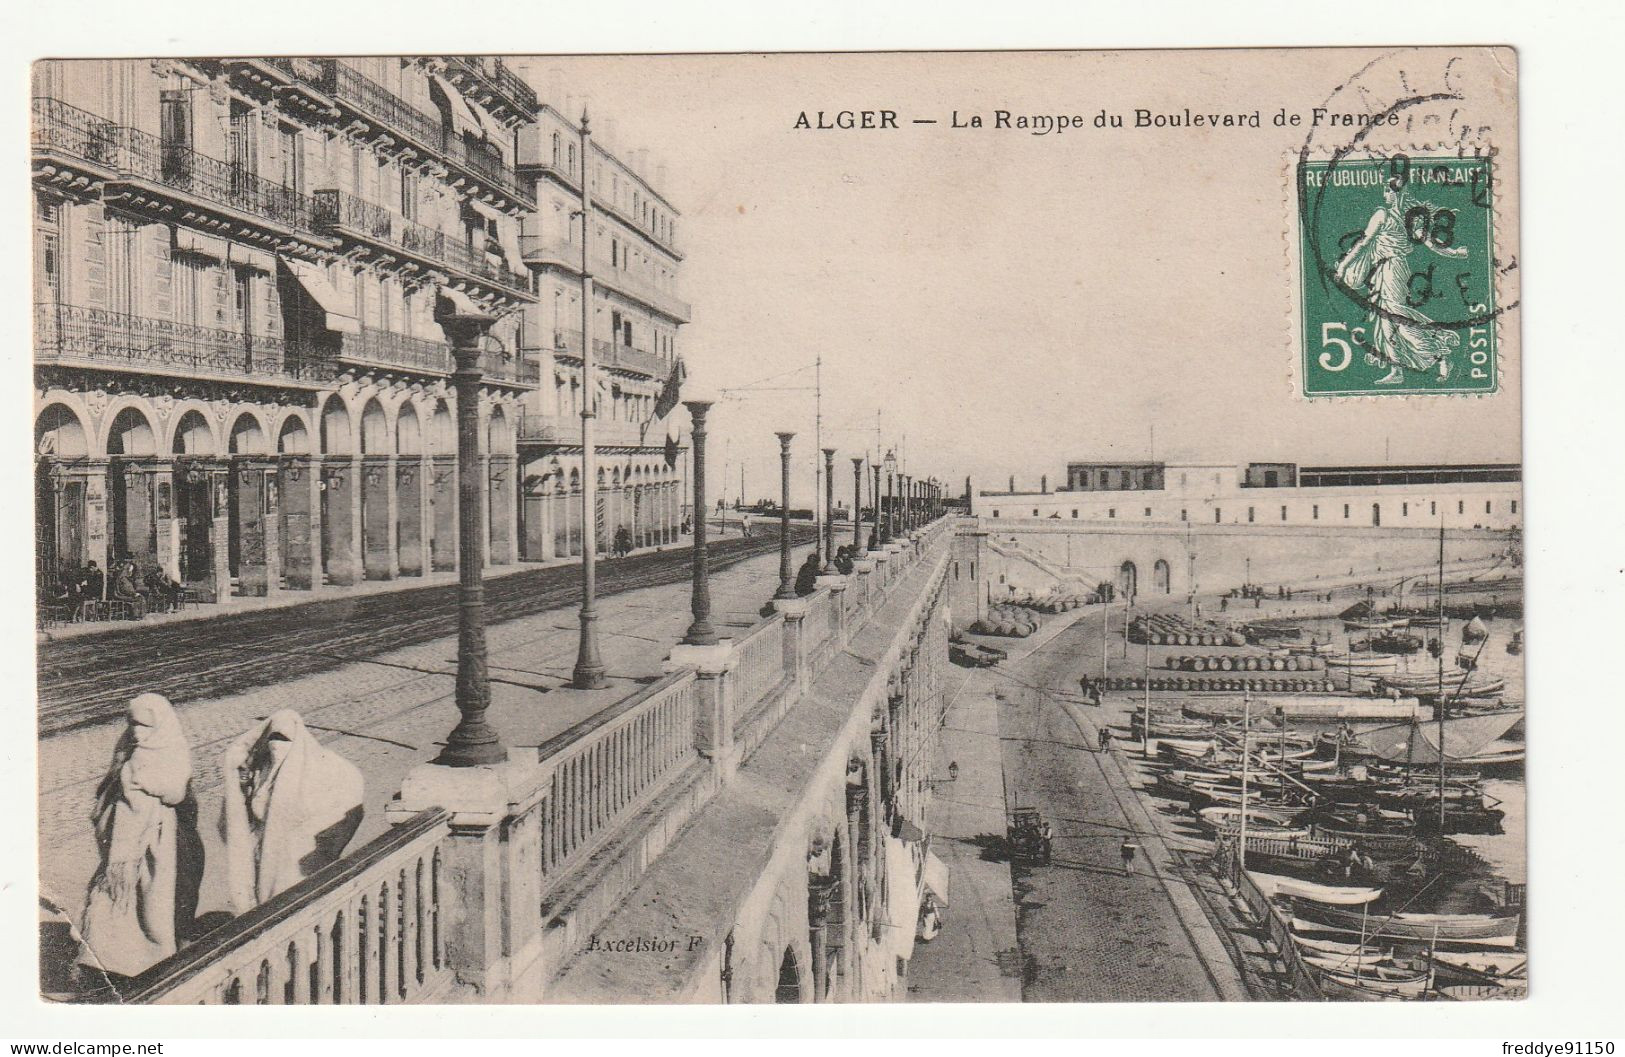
(1492, 930)
(1277, 885)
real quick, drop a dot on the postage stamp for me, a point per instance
(1397, 275)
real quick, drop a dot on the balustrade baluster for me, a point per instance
(388, 934)
(413, 971)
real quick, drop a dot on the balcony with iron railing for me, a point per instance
(562, 253)
(344, 213)
(565, 430)
(480, 264)
(75, 335)
(486, 165)
(126, 154)
(424, 131)
(496, 77)
(611, 354)
(385, 348)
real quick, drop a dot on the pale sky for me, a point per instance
(1008, 302)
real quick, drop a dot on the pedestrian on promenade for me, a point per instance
(144, 890)
(807, 575)
(1128, 849)
(1105, 738)
(290, 807)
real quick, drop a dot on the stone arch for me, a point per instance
(408, 431)
(1161, 577)
(193, 435)
(375, 439)
(1128, 579)
(247, 435)
(791, 987)
(60, 432)
(442, 430)
(575, 479)
(130, 433)
(338, 436)
(293, 436)
(498, 432)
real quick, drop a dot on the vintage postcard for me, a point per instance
(800, 528)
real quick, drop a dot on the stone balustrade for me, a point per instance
(364, 930)
(492, 877)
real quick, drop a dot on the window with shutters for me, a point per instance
(48, 253)
(240, 145)
(175, 135)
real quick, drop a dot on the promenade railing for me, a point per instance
(605, 767)
(399, 919)
(366, 930)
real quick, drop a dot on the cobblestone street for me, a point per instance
(1088, 930)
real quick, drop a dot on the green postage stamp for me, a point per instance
(1397, 274)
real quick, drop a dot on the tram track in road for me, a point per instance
(86, 680)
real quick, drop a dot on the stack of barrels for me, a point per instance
(1012, 621)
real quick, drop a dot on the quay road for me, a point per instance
(87, 680)
(1086, 930)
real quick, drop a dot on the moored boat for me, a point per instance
(1491, 930)
(1296, 887)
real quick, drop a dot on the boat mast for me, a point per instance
(1441, 672)
(1246, 770)
(1145, 738)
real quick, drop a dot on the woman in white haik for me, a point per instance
(151, 858)
(1378, 265)
(290, 808)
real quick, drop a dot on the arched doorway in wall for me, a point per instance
(1161, 577)
(246, 438)
(200, 489)
(132, 500)
(789, 988)
(1376, 515)
(337, 440)
(59, 501)
(1128, 579)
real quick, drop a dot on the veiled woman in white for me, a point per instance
(151, 858)
(290, 808)
(1378, 266)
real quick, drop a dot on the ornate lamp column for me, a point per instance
(829, 511)
(589, 669)
(857, 502)
(787, 584)
(904, 491)
(874, 510)
(473, 741)
(700, 632)
(890, 522)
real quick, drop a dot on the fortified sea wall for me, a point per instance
(993, 559)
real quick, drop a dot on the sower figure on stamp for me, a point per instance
(1378, 265)
(289, 809)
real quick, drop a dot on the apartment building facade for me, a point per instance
(633, 260)
(238, 265)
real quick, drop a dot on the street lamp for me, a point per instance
(890, 463)
(787, 586)
(589, 669)
(474, 741)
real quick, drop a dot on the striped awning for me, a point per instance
(189, 241)
(462, 117)
(315, 283)
(253, 257)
